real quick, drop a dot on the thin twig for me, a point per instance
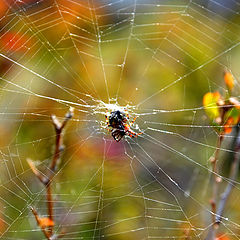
(224, 196)
(211, 233)
(58, 147)
(232, 183)
(47, 180)
(50, 205)
(42, 178)
(216, 177)
(45, 232)
(58, 129)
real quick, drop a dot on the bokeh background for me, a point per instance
(157, 58)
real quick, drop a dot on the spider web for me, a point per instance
(156, 59)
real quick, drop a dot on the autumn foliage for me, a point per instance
(45, 222)
(222, 237)
(223, 111)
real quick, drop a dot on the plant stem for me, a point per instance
(231, 183)
(47, 180)
(45, 232)
(50, 206)
(211, 234)
(216, 177)
(224, 196)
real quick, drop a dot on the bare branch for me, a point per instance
(58, 128)
(217, 180)
(45, 232)
(47, 180)
(231, 184)
(224, 196)
(43, 179)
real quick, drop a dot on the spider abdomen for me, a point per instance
(116, 119)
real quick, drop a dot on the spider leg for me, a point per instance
(107, 128)
(106, 117)
(133, 121)
(125, 110)
(107, 121)
(133, 134)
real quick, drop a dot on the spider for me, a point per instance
(118, 122)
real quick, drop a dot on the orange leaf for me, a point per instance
(228, 125)
(229, 80)
(45, 222)
(222, 237)
(15, 42)
(3, 9)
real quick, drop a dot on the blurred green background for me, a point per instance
(158, 58)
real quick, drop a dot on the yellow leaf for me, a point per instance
(229, 80)
(210, 101)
